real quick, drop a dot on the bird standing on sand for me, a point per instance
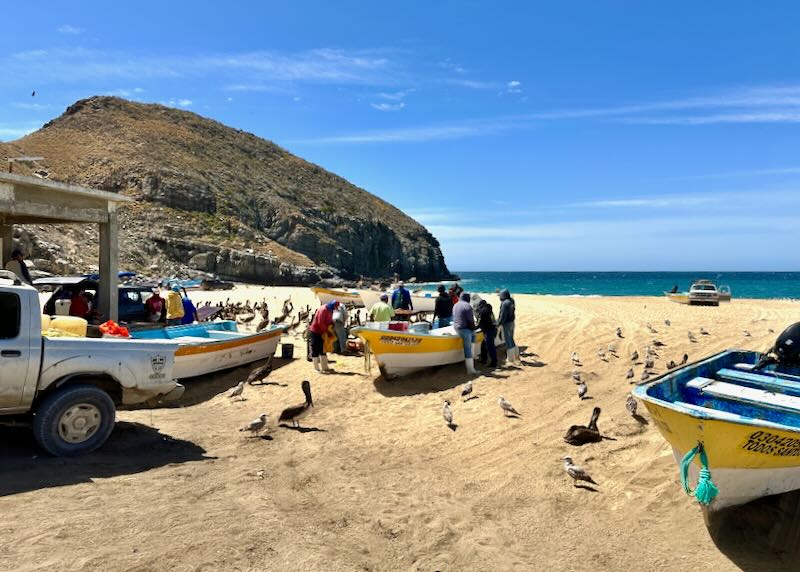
(671, 364)
(507, 407)
(692, 338)
(612, 349)
(297, 412)
(261, 372)
(582, 390)
(746, 333)
(703, 331)
(630, 374)
(237, 391)
(649, 363)
(575, 359)
(465, 392)
(667, 322)
(634, 355)
(256, 425)
(619, 333)
(601, 354)
(685, 359)
(447, 414)
(630, 405)
(645, 375)
(577, 472)
(576, 376)
(651, 328)
(658, 343)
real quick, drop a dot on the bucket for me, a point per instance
(287, 351)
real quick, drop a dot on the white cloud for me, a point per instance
(31, 106)
(70, 30)
(388, 106)
(178, 102)
(11, 132)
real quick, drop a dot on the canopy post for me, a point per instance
(109, 293)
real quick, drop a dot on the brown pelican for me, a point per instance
(582, 434)
(297, 412)
(260, 373)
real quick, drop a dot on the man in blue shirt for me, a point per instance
(401, 300)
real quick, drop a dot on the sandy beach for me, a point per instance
(375, 481)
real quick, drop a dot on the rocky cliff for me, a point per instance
(219, 199)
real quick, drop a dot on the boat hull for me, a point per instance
(403, 353)
(746, 461)
(351, 297)
(679, 297)
(422, 302)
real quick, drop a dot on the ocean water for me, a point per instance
(742, 284)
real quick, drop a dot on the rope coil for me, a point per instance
(706, 490)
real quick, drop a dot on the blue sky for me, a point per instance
(525, 136)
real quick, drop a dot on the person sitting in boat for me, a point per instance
(381, 311)
(401, 300)
(489, 329)
(189, 310)
(317, 331)
(464, 324)
(505, 320)
(154, 304)
(174, 306)
(443, 310)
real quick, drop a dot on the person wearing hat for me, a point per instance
(443, 310)
(464, 324)
(18, 267)
(381, 311)
(174, 305)
(401, 300)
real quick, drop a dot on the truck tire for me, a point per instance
(75, 420)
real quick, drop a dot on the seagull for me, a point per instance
(630, 405)
(703, 331)
(237, 391)
(651, 328)
(507, 407)
(612, 349)
(658, 343)
(667, 322)
(685, 359)
(582, 390)
(619, 333)
(645, 375)
(649, 363)
(630, 374)
(576, 376)
(260, 372)
(465, 392)
(574, 357)
(671, 365)
(576, 472)
(771, 331)
(691, 337)
(297, 412)
(601, 354)
(447, 414)
(33, 93)
(634, 355)
(256, 425)
(746, 333)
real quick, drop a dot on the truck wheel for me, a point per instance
(73, 421)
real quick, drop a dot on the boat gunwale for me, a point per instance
(640, 392)
(358, 329)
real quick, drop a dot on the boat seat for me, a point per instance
(748, 395)
(778, 374)
(761, 380)
(223, 334)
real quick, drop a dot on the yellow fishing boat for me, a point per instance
(345, 296)
(403, 352)
(742, 420)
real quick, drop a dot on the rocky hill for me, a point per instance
(217, 199)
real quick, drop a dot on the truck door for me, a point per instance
(15, 351)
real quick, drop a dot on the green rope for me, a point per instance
(706, 490)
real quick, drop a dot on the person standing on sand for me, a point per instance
(381, 311)
(506, 321)
(401, 300)
(464, 324)
(443, 310)
(319, 328)
(487, 326)
(17, 265)
(189, 310)
(174, 306)
(339, 319)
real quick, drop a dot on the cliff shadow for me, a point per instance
(761, 535)
(131, 448)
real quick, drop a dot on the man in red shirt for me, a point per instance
(154, 304)
(323, 319)
(78, 306)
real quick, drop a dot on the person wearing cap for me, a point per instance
(174, 305)
(321, 326)
(381, 311)
(443, 310)
(401, 300)
(464, 324)
(18, 267)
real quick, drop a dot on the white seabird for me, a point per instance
(582, 390)
(630, 374)
(237, 391)
(630, 405)
(447, 413)
(507, 407)
(256, 425)
(577, 472)
(466, 391)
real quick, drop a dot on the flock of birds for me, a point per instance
(466, 394)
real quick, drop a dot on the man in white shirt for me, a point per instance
(18, 267)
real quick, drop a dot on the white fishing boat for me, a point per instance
(209, 347)
(421, 300)
(343, 295)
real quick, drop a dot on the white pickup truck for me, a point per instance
(704, 292)
(67, 388)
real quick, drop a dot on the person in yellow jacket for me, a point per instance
(174, 306)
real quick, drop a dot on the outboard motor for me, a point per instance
(786, 349)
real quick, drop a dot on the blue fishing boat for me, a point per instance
(214, 346)
(733, 421)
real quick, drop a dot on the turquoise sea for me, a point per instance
(742, 284)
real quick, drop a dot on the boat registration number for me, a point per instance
(770, 444)
(400, 340)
